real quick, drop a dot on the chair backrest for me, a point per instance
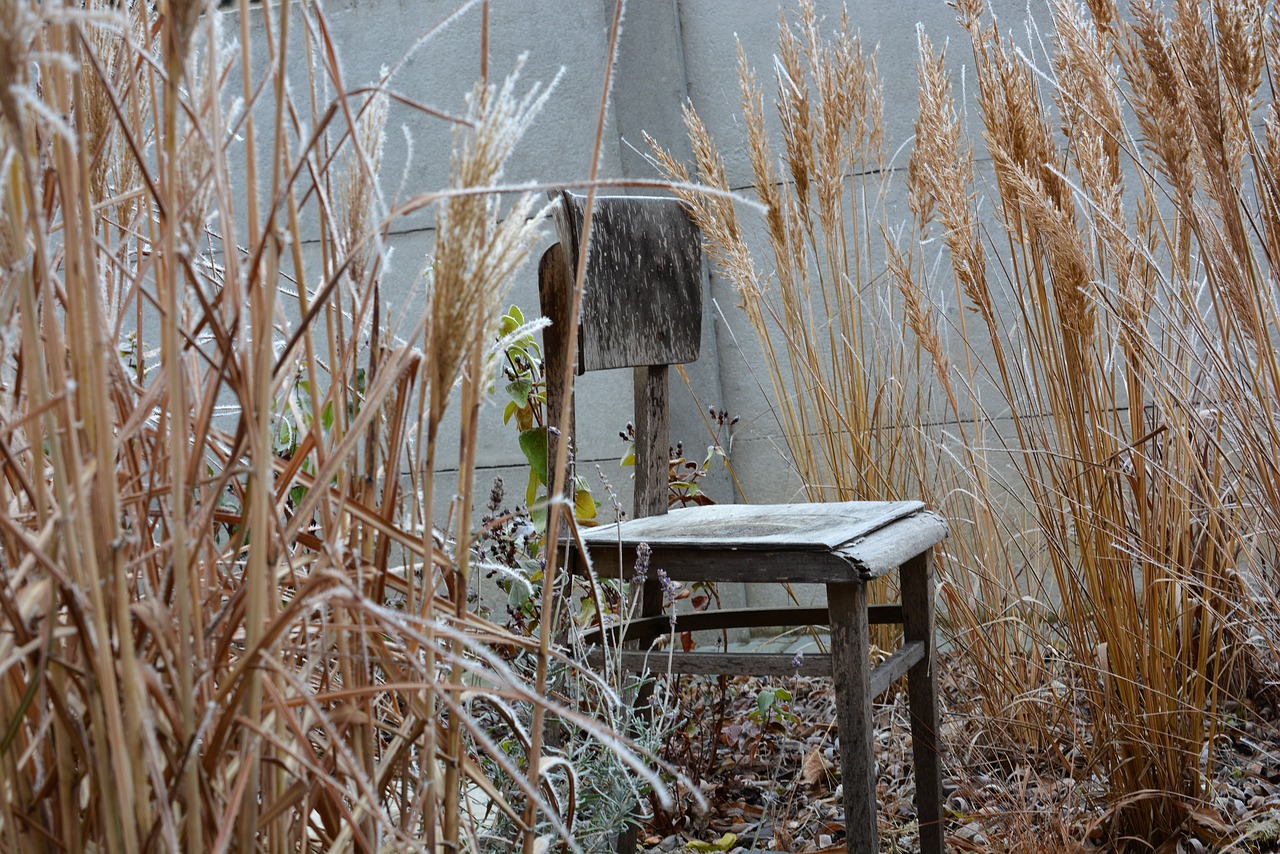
(642, 298)
(641, 308)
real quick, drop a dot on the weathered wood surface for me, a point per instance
(764, 663)
(896, 665)
(850, 670)
(642, 297)
(647, 628)
(763, 543)
(810, 527)
(555, 289)
(749, 566)
(886, 549)
(653, 441)
(916, 584)
(715, 663)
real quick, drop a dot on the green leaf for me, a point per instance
(510, 410)
(508, 324)
(538, 516)
(519, 390)
(765, 701)
(629, 458)
(326, 417)
(584, 503)
(533, 443)
(531, 492)
(724, 843)
(520, 593)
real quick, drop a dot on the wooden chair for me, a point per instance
(642, 308)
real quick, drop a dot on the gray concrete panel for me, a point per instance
(710, 28)
(439, 73)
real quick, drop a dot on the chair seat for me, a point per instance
(829, 542)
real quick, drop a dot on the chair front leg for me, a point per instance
(851, 672)
(627, 840)
(916, 583)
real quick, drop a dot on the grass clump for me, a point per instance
(229, 620)
(1108, 456)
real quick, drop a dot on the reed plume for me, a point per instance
(207, 543)
(1120, 314)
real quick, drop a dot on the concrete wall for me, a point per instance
(670, 51)
(570, 40)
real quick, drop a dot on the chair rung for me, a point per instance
(764, 663)
(896, 665)
(732, 663)
(647, 628)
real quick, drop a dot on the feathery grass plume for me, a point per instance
(477, 250)
(794, 107)
(1086, 95)
(918, 315)
(358, 195)
(1267, 182)
(1214, 115)
(1104, 14)
(1239, 32)
(1147, 57)
(940, 180)
(829, 104)
(206, 645)
(1036, 200)
(1125, 478)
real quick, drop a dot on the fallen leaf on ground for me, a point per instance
(815, 769)
(724, 843)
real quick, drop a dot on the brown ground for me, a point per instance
(771, 781)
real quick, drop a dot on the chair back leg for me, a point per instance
(653, 443)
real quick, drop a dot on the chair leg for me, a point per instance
(916, 582)
(627, 842)
(851, 672)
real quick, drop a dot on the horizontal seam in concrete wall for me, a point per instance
(993, 419)
(1259, 125)
(311, 241)
(520, 464)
